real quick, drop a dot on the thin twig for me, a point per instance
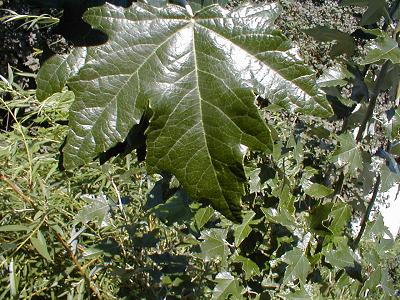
(367, 213)
(28, 200)
(121, 207)
(77, 264)
(17, 190)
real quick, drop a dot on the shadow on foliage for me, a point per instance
(71, 25)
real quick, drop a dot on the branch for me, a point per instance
(367, 213)
(28, 200)
(372, 101)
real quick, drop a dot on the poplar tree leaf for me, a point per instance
(227, 287)
(175, 209)
(39, 243)
(298, 266)
(53, 75)
(243, 230)
(382, 48)
(340, 215)
(214, 245)
(348, 153)
(316, 190)
(344, 42)
(340, 258)
(198, 76)
(335, 76)
(249, 267)
(202, 216)
(389, 178)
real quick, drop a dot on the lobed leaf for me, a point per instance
(198, 76)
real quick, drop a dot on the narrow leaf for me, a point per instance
(40, 245)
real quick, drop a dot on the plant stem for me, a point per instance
(372, 101)
(365, 217)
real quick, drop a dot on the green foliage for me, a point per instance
(180, 85)
(114, 231)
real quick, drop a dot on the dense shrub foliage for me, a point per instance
(171, 156)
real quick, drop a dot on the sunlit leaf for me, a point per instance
(227, 287)
(298, 266)
(198, 76)
(241, 231)
(40, 245)
(382, 48)
(214, 244)
(348, 153)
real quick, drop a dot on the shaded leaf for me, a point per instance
(344, 41)
(249, 267)
(197, 76)
(376, 9)
(319, 220)
(175, 209)
(202, 216)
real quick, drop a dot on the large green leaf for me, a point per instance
(198, 75)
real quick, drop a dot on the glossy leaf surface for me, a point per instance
(198, 76)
